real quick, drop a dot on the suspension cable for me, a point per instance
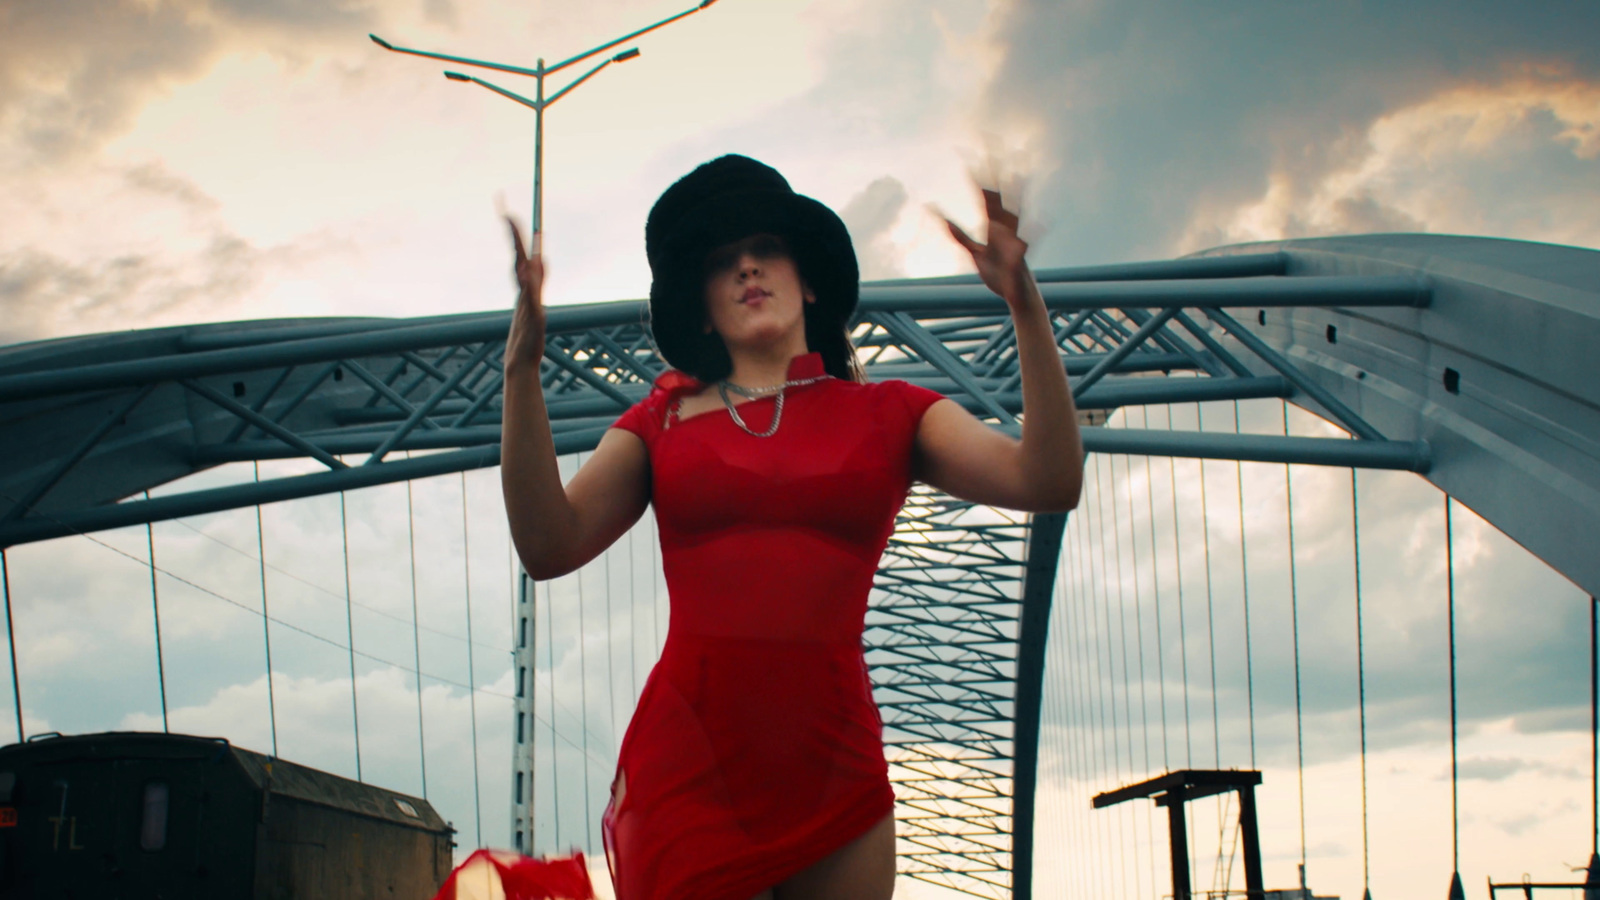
(1211, 642)
(1094, 698)
(1361, 674)
(1450, 601)
(1211, 623)
(550, 660)
(1138, 619)
(1594, 720)
(1155, 582)
(1077, 754)
(1093, 695)
(155, 609)
(1244, 591)
(1294, 621)
(350, 631)
(583, 697)
(266, 617)
(1183, 626)
(1114, 522)
(11, 636)
(611, 687)
(416, 637)
(472, 669)
(1109, 682)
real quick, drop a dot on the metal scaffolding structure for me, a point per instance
(1383, 337)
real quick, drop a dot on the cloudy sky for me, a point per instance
(173, 161)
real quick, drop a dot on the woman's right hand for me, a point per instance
(525, 342)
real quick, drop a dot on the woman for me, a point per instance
(753, 766)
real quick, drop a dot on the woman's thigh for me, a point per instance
(860, 870)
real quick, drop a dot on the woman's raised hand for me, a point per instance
(525, 343)
(1000, 261)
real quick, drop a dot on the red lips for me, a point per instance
(753, 293)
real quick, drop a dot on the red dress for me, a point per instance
(756, 749)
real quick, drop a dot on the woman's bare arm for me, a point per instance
(556, 529)
(1042, 472)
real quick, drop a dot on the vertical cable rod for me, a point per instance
(1294, 625)
(1183, 625)
(416, 636)
(1138, 619)
(583, 697)
(1094, 699)
(1211, 622)
(1109, 671)
(266, 620)
(1450, 606)
(1594, 720)
(550, 660)
(1155, 588)
(1115, 523)
(1244, 591)
(155, 609)
(1361, 675)
(11, 637)
(1211, 644)
(472, 669)
(1077, 759)
(611, 666)
(350, 631)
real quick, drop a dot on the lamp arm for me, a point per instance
(531, 104)
(625, 38)
(516, 70)
(580, 80)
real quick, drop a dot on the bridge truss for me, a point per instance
(1365, 333)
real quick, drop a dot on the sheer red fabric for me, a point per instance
(756, 748)
(520, 877)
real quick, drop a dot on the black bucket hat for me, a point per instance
(722, 201)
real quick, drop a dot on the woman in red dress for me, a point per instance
(753, 766)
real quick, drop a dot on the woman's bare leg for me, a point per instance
(860, 870)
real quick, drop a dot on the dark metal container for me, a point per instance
(136, 815)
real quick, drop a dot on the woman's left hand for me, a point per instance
(999, 262)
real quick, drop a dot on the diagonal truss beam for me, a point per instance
(956, 604)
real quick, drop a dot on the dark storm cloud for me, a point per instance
(1149, 113)
(74, 73)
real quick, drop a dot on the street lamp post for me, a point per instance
(540, 101)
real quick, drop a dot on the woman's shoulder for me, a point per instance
(648, 416)
(896, 396)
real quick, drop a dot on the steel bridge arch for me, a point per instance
(1466, 360)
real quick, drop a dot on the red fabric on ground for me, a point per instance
(756, 748)
(523, 878)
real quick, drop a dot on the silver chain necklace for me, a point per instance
(724, 386)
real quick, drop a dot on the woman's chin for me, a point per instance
(757, 339)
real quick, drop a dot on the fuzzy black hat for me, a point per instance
(722, 201)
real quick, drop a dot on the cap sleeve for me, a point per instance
(648, 417)
(643, 418)
(910, 400)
